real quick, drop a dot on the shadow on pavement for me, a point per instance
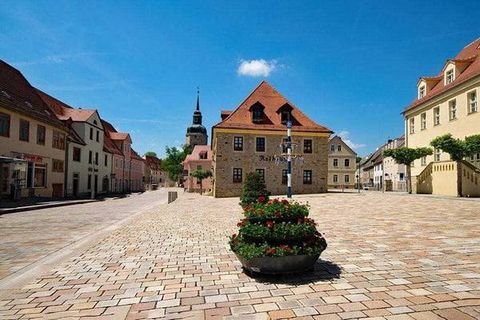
(322, 271)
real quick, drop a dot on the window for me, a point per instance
(58, 141)
(449, 76)
(436, 116)
(307, 146)
(335, 162)
(339, 148)
(401, 176)
(40, 135)
(347, 178)
(98, 136)
(260, 144)
(76, 154)
(412, 125)
(24, 131)
(423, 161)
(96, 158)
(335, 178)
(472, 102)
(437, 154)
(90, 157)
(257, 115)
(347, 163)
(452, 107)
(40, 176)
(57, 165)
(307, 176)
(421, 92)
(4, 125)
(332, 147)
(284, 176)
(106, 160)
(423, 121)
(261, 172)
(238, 143)
(285, 116)
(237, 175)
(91, 133)
(89, 182)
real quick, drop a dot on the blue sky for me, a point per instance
(350, 65)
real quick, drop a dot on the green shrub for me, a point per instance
(254, 189)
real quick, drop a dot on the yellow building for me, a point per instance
(32, 141)
(341, 164)
(446, 103)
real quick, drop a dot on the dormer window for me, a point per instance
(285, 112)
(285, 116)
(421, 92)
(449, 76)
(257, 112)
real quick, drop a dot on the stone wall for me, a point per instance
(225, 159)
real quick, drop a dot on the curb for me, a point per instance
(43, 206)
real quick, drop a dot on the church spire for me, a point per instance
(198, 99)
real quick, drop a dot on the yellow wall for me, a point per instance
(465, 124)
(12, 146)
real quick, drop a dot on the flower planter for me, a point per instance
(279, 265)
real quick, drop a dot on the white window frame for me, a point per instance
(472, 103)
(449, 76)
(411, 124)
(452, 110)
(436, 116)
(421, 92)
(423, 121)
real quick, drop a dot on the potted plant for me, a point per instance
(276, 237)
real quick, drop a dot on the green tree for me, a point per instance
(406, 156)
(201, 174)
(172, 163)
(253, 188)
(472, 145)
(151, 153)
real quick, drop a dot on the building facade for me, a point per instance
(445, 103)
(341, 164)
(197, 133)
(88, 166)
(252, 139)
(199, 159)
(32, 141)
(394, 173)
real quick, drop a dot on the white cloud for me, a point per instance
(345, 135)
(256, 68)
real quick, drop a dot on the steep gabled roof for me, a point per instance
(153, 163)
(346, 146)
(63, 111)
(197, 151)
(266, 96)
(113, 134)
(109, 146)
(469, 55)
(18, 95)
(136, 156)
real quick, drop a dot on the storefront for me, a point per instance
(13, 177)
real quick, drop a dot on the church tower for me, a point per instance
(196, 133)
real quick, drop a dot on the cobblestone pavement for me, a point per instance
(29, 236)
(389, 257)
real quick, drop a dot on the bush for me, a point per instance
(253, 189)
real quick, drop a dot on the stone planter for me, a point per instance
(279, 265)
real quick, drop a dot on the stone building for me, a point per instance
(446, 103)
(250, 139)
(197, 133)
(341, 164)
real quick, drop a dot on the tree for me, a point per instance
(173, 161)
(253, 188)
(406, 156)
(201, 174)
(472, 145)
(151, 154)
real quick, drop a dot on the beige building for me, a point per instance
(446, 103)
(32, 141)
(341, 164)
(88, 165)
(251, 139)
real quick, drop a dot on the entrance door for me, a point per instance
(76, 183)
(95, 184)
(57, 190)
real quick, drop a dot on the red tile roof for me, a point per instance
(18, 95)
(153, 163)
(272, 100)
(136, 156)
(197, 150)
(113, 134)
(63, 111)
(471, 55)
(109, 146)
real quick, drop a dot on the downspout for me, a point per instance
(65, 174)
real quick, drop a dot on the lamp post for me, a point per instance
(289, 158)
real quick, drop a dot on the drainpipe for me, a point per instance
(65, 173)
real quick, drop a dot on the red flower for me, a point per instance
(270, 251)
(285, 202)
(261, 199)
(241, 223)
(270, 224)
